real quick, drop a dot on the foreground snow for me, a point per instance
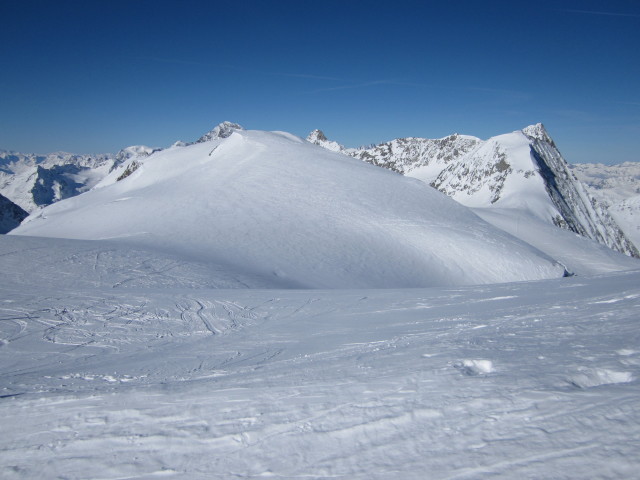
(106, 379)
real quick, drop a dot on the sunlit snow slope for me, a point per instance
(270, 205)
(112, 366)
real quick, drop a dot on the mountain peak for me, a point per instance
(222, 130)
(317, 136)
(538, 132)
(134, 151)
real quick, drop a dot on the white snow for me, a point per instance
(578, 254)
(166, 337)
(157, 378)
(521, 170)
(522, 188)
(272, 206)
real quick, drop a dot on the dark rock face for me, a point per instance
(11, 215)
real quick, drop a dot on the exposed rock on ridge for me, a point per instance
(222, 130)
(11, 215)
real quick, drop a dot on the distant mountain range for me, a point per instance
(513, 181)
(31, 181)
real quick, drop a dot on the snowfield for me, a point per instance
(106, 379)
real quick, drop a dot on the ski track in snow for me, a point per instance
(529, 380)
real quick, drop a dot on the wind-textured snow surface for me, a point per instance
(269, 205)
(102, 378)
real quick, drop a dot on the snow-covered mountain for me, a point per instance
(10, 215)
(293, 214)
(522, 170)
(617, 187)
(33, 181)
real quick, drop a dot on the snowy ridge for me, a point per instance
(32, 181)
(522, 170)
(579, 212)
(420, 158)
(528, 173)
(273, 206)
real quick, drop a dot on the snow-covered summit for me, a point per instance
(538, 132)
(524, 170)
(222, 130)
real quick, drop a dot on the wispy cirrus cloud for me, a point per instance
(371, 83)
(506, 94)
(304, 75)
(180, 61)
(578, 115)
(595, 12)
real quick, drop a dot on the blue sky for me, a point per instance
(95, 76)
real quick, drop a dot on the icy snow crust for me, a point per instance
(272, 207)
(113, 366)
